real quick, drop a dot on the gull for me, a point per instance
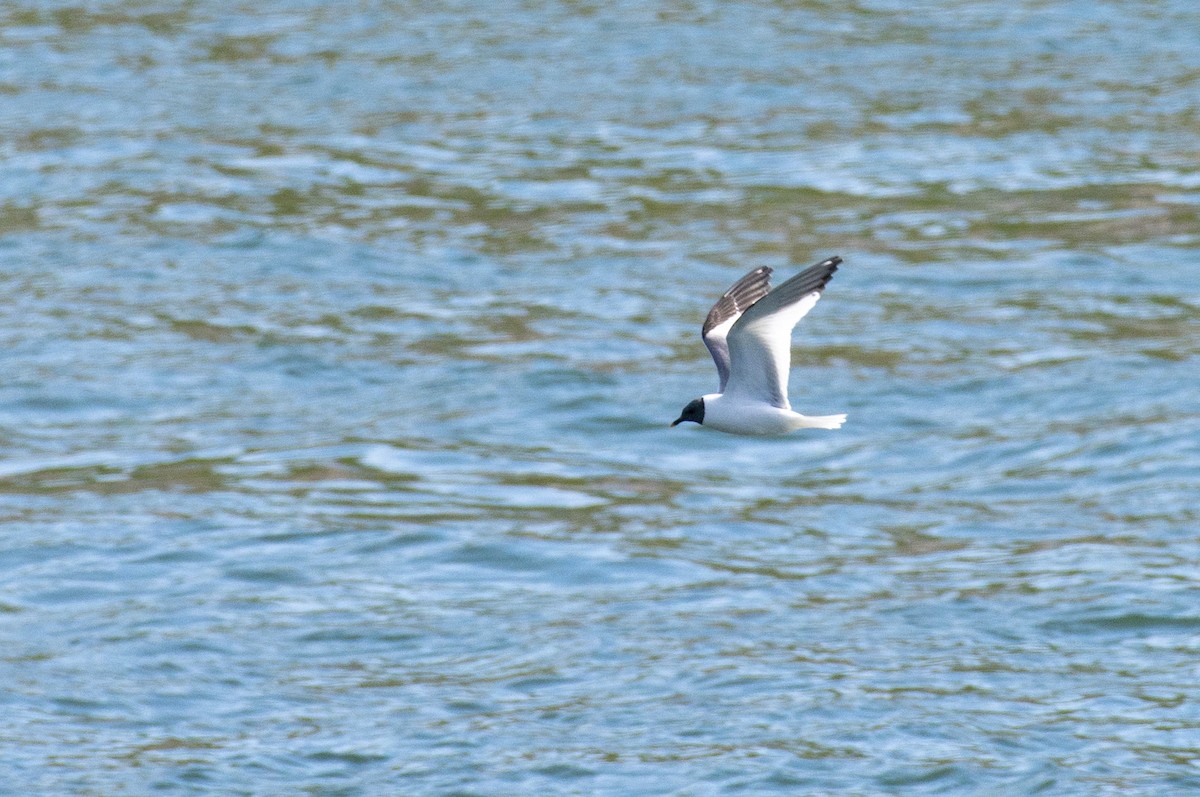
(749, 334)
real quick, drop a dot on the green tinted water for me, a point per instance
(341, 343)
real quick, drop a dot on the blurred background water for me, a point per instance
(340, 341)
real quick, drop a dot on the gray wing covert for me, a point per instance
(744, 293)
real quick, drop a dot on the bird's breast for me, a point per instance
(729, 414)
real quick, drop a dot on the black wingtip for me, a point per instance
(742, 294)
(815, 278)
(812, 279)
(830, 265)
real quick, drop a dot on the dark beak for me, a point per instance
(677, 421)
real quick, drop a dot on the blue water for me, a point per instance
(340, 343)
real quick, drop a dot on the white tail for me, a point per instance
(823, 421)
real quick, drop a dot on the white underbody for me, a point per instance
(738, 415)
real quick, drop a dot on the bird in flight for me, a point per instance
(749, 334)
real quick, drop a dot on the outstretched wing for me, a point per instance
(728, 309)
(760, 342)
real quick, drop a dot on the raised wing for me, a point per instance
(760, 342)
(745, 292)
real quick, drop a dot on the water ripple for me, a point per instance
(342, 345)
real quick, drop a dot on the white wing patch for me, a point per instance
(760, 350)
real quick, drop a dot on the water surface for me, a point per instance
(341, 341)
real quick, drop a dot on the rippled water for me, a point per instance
(341, 341)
